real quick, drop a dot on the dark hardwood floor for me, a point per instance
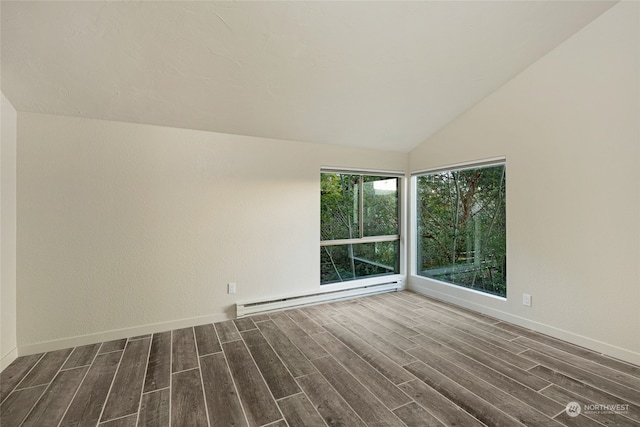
(388, 360)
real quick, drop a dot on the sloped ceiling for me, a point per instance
(382, 75)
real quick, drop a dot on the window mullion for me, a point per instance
(361, 208)
(370, 239)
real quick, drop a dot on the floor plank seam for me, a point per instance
(79, 385)
(206, 407)
(104, 405)
(235, 387)
(183, 370)
(170, 378)
(310, 401)
(273, 423)
(343, 399)
(209, 354)
(144, 378)
(28, 413)
(362, 361)
(156, 390)
(262, 375)
(111, 351)
(27, 388)
(280, 399)
(117, 418)
(280, 357)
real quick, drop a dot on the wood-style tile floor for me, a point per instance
(387, 360)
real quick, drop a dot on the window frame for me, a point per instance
(413, 209)
(400, 237)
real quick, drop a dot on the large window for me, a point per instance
(461, 227)
(359, 226)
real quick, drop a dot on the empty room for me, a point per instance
(331, 213)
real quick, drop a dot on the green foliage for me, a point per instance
(348, 262)
(380, 216)
(338, 206)
(462, 228)
(354, 206)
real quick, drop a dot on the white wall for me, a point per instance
(125, 225)
(569, 128)
(8, 343)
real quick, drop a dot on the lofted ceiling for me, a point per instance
(381, 75)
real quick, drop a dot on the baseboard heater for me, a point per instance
(265, 306)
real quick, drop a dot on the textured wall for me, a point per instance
(125, 225)
(569, 128)
(8, 234)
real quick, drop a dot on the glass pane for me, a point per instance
(380, 213)
(349, 262)
(339, 206)
(462, 228)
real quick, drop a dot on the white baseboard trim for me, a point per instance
(594, 345)
(8, 358)
(115, 334)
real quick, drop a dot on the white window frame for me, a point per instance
(413, 220)
(401, 238)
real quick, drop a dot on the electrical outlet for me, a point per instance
(526, 300)
(231, 288)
